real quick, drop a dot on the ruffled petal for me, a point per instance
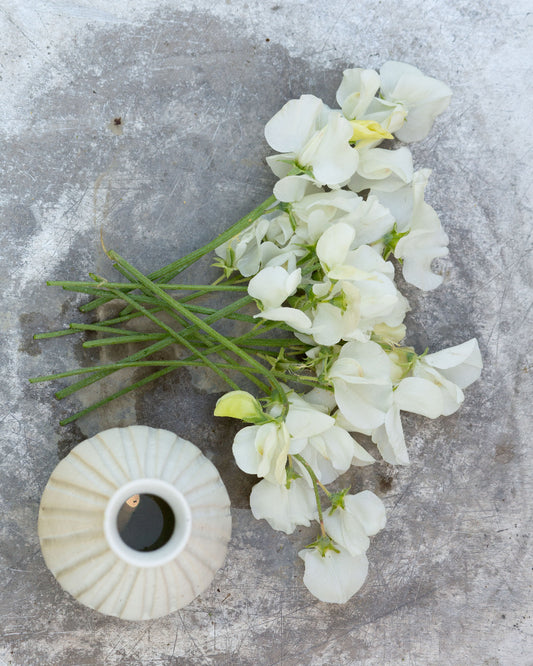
(461, 364)
(283, 508)
(390, 440)
(346, 530)
(291, 316)
(356, 91)
(419, 396)
(369, 509)
(334, 577)
(294, 124)
(330, 154)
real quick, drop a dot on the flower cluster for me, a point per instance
(320, 265)
(324, 343)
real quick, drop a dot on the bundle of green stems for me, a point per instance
(254, 354)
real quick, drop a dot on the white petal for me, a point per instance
(451, 395)
(307, 422)
(390, 440)
(273, 285)
(461, 364)
(423, 96)
(373, 360)
(335, 577)
(346, 530)
(357, 88)
(281, 164)
(327, 326)
(324, 470)
(383, 169)
(291, 316)
(361, 457)
(364, 405)
(246, 455)
(283, 508)
(294, 188)
(293, 125)
(419, 396)
(334, 244)
(332, 159)
(336, 445)
(369, 510)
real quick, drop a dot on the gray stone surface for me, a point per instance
(194, 84)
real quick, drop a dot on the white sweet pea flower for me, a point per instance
(333, 249)
(316, 140)
(333, 577)
(356, 91)
(430, 392)
(263, 450)
(243, 252)
(437, 379)
(379, 300)
(425, 239)
(362, 384)
(331, 322)
(272, 286)
(381, 169)
(331, 453)
(461, 364)
(284, 508)
(305, 420)
(422, 97)
(363, 515)
(356, 97)
(316, 212)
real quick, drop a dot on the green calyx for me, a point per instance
(390, 240)
(337, 499)
(323, 544)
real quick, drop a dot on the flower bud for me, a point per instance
(239, 405)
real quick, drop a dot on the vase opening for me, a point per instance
(145, 522)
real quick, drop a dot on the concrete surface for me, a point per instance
(194, 84)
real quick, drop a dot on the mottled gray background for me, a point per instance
(194, 84)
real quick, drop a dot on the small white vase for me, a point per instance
(79, 528)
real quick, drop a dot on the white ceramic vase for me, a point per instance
(79, 521)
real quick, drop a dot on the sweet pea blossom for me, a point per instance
(362, 384)
(272, 286)
(284, 508)
(432, 389)
(313, 139)
(263, 450)
(422, 97)
(334, 576)
(425, 239)
(363, 515)
(331, 453)
(356, 97)
(381, 169)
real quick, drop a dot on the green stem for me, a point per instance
(315, 481)
(123, 340)
(200, 323)
(70, 284)
(148, 351)
(177, 337)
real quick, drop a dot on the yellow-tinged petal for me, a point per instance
(368, 130)
(239, 405)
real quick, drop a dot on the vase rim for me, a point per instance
(177, 503)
